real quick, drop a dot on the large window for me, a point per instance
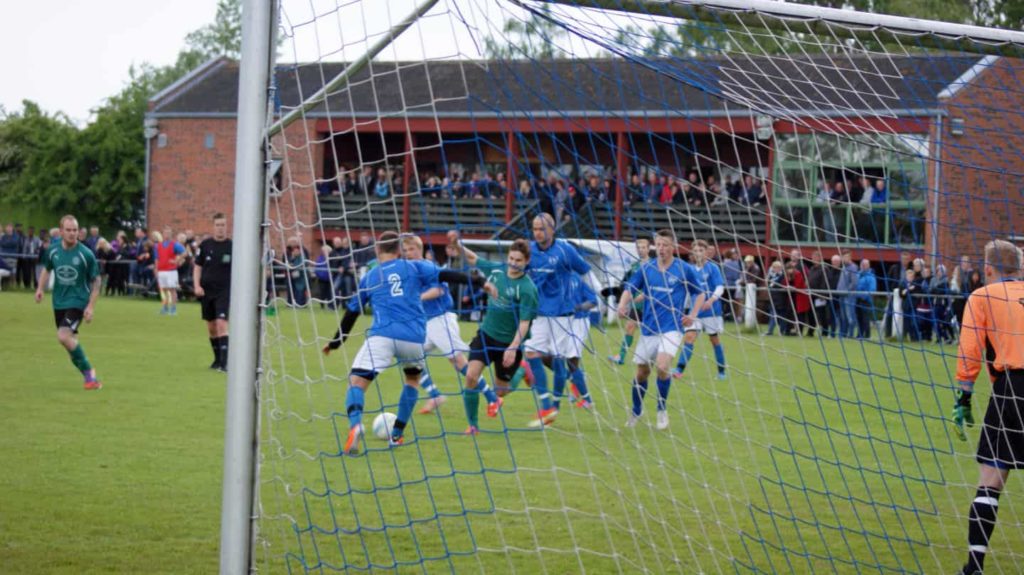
(808, 208)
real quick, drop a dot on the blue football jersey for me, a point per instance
(551, 270)
(711, 278)
(582, 293)
(664, 294)
(438, 306)
(393, 289)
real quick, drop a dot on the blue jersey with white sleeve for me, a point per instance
(393, 288)
(551, 270)
(711, 279)
(582, 294)
(664, 294)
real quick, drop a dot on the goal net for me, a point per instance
(780, 141)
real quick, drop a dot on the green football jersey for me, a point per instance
(516, 301)
(73, 273)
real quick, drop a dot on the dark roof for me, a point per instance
(778, 85)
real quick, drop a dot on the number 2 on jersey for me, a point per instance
(396, 285)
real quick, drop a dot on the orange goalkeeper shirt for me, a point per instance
(993, 330)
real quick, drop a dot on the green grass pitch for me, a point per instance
(812, 457)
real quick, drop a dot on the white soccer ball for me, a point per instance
(383, 424)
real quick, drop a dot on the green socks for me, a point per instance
(517, 378)
(78, 358)
(626, 343)
(471, 399)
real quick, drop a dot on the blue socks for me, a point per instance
(580, 379)
(561, 374)
(354, 405)
(720, 358)
(663, 387)
(540, 382)
(406, 402)
(685, 358)
(639, 391)
(428, 385)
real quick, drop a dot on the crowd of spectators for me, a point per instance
(560, 196)
(126, 264)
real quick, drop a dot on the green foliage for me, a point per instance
(98, 171)
(535, 38)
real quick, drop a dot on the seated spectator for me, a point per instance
(634, 191)
(671, 193)
(595, 191)
(713, 195)
(839, 194)
(695, 194)
(754, 192)
(381, 186)
(652, 190)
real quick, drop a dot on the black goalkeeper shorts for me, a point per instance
(1001, 443)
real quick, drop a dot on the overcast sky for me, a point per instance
(68, 55)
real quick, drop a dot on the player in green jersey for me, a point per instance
(643, 249)
(506, 325)
(75, 290)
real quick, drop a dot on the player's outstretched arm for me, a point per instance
(449, 276)
(344, 330)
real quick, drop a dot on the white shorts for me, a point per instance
(710, 325)
(379, 353)
(443, 335)
(651, 346)
(551, 336)
(580, 327)
(167, 280)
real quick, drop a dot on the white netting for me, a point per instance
(814, 455)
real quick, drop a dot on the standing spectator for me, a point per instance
(168, 254)
(939, 287)
(44, 242)
(93, 239)
(322, 271)
(778, 297)
(798, 293)
(133, 270)
(185, 262)
(959, 286)
(894, 275)
(867, 284)
(344, 267)
(833, 305)
(908, 288)
(925, 306)
(848, 278)
(381, 187)
(30, 247)
(105, 255)
(363, 253)
(732, 272)
(298, 279)
(817, 282)
(10, 247)
(145, 264)
(634, 191)
(651, 189)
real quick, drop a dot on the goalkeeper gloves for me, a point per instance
(962, 415)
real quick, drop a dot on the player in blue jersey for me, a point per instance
(665, 284)
(709, 316)
(397, 334)
(584, 300)
(552, 263)
(442, 331)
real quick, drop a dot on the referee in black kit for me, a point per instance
(212, 283)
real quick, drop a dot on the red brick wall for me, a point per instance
(980, 189)
(188, 182)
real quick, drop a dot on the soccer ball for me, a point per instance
(383, 424)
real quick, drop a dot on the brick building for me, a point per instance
(943, 132)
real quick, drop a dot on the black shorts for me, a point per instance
(216, 305)
(491, 351)
(1001, 443)
(68, 318)
(636, 314)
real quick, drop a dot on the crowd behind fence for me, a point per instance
(837, 297)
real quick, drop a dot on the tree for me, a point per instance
(98, 171)
(534, 38)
